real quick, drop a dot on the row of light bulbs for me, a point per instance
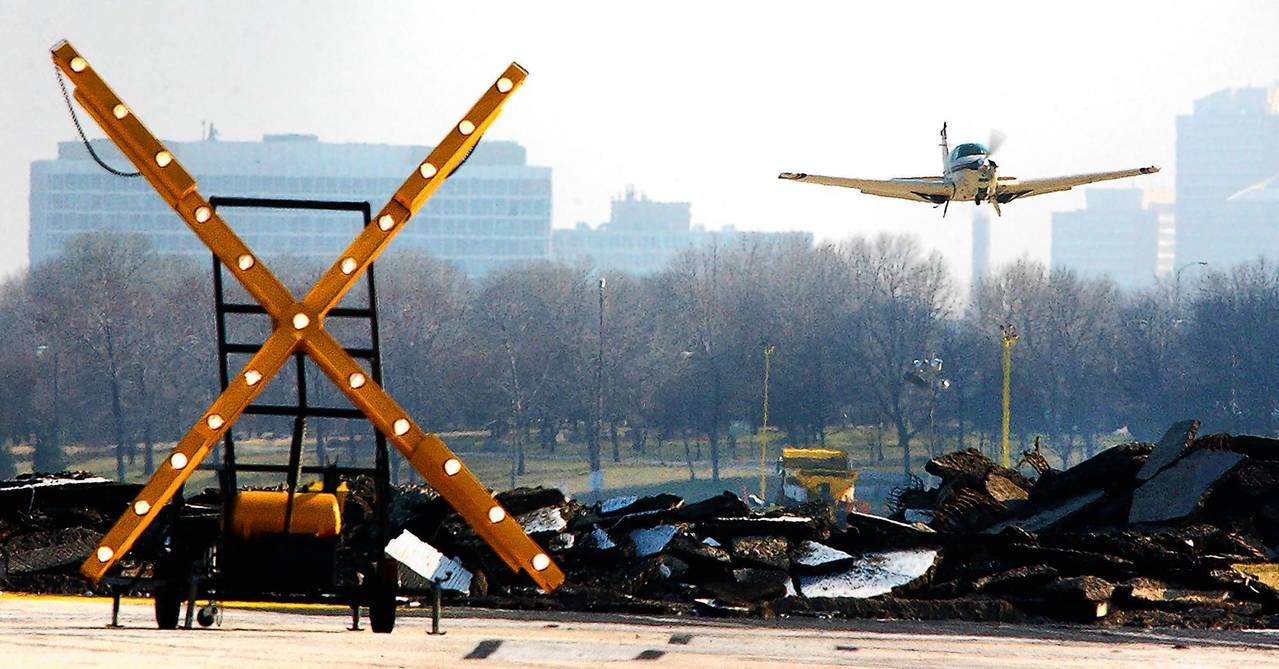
(202, 214)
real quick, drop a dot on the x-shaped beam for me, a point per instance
(299, 325)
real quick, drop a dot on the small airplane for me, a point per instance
(968, 173)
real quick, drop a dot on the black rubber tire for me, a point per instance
(168, 607)
(382, 600)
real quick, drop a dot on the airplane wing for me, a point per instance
(923, 189)
(1019, 188)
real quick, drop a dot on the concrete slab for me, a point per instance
(1170, 447)
(1175, 491)
(871, 575)
(1050, 516)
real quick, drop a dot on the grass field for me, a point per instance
(566, 468)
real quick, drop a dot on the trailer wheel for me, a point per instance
(168, 605)
(385, 586)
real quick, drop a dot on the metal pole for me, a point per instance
(1008, 337)
(115, 610)
(435, 608)
(763, 439)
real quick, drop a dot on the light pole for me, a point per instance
(597, 475)
(1008, 337)
(1176, 282)
(763, 442)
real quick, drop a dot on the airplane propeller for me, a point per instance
(996, 140)
(992, 184)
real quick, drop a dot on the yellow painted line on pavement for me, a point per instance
(147, 601)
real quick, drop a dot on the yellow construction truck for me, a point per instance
(810, 474)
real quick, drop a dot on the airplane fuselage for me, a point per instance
(968, 178)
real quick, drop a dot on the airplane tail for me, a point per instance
(945, 151)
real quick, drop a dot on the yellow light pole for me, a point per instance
(1008, 337)
(763, 439)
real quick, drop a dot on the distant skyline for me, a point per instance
(702, 103)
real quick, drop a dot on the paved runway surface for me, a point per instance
(70, 632)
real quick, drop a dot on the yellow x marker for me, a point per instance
(300, 325)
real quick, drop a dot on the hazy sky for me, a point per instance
(698, 101)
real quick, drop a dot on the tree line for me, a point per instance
(112, 344)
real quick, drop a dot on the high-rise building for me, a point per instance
(1114, 236)
(493, 212)
(980, 246)
(643, 236)
(1166, 249)
(1229, 143)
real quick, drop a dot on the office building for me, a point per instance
(643, 236)
(1114, 236)
(1230, 143)
(494, 212)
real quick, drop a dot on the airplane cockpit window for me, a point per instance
(966, 150)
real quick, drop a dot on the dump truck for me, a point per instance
(809, 474)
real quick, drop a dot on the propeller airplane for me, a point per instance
(969, 173)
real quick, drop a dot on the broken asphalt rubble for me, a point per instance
(1179, 533)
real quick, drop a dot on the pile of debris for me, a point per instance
(1179, 533)
(50, 522)
(1175, 533)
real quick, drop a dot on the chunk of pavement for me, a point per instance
(48, 549)
(791, 527)
(561, 542)
(865, 530)
(1140, 590)
(653, 540)
(761, 551)
(871, 574)
(619, 506)
(699, 553)
(547, 519)
(751, 585)
(1176, 491)
(1112, 468)
(1257, 448)
(1148, 593)
(1046, 518)
(597, 539)
(1003, 489)
(652, 574)
(1085, 588)
(429, 563)
(970, 464)
(811, 557)
(520, 501)
(1077, 598)
(615, 505)
(1170, 447)
(1021, 579)
(963, 508)
(716, 608)
(724, 505)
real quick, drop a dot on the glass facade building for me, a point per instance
(493, 212)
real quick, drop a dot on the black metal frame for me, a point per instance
(303, 409)
(208, 582)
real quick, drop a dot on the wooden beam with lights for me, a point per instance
(299, 324)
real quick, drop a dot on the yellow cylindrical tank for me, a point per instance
(259, 512)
